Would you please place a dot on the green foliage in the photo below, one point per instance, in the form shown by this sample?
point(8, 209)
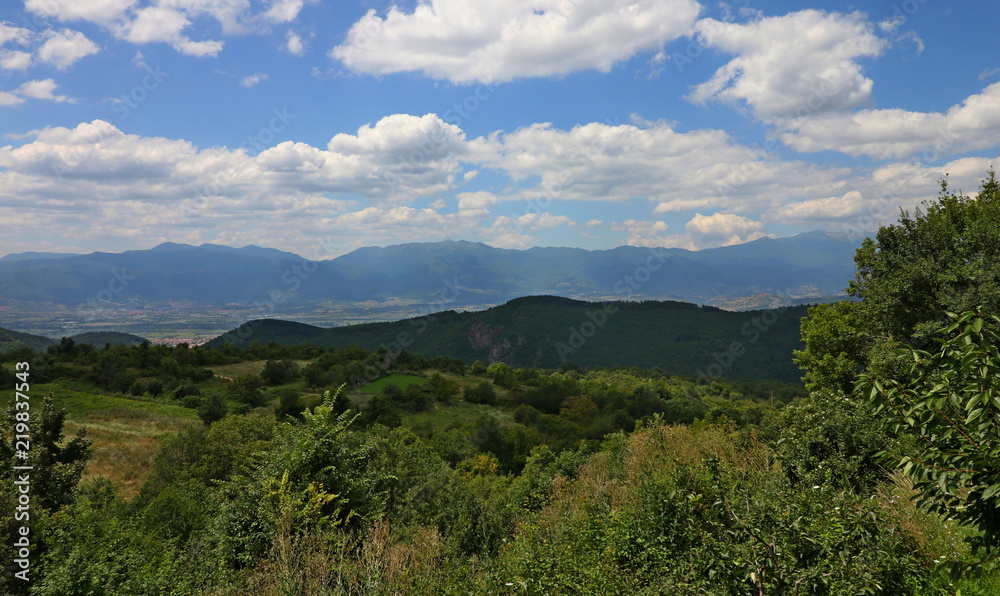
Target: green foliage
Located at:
point(950, 401)
point(213, 408)
point(57, 465)
point(279, 372)
point(246, 389)
point(937, 260)
point(481, 393)
point(678, 511)
point(831, 441)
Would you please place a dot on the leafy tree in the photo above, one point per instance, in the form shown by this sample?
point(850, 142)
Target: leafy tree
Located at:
point(246, 389)
point(56, 465)
point(949, 401)
point(289, 404)
point(277, 372)
point(939, 259)
point(213, 408)
point(481, 393)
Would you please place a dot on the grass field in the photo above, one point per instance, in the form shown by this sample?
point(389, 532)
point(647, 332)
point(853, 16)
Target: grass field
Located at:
point(401, 381)
point(125, 433)
point(459, 412)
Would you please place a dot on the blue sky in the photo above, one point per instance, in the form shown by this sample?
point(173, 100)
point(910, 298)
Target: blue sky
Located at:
point(319, 127)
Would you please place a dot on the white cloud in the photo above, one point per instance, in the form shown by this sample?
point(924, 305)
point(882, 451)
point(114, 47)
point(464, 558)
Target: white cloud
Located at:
point(973, 124)
point(876, 197)
point(791, 66)
point(989, 72)
point(41, 89)
point(251, 80)
point(102, 12)
point(467, 41)
point(643, 233)
point(723, 229)
point(15, 60)
point(294, 44)
point(8, 99)
point(198, 49)
point(154, 23)
point(10, 33)
point(63, 48)
point(35, 89)
point(284, 11)
point(104, 162)
point(476, 203)
point(165, 21)
point(676, 171)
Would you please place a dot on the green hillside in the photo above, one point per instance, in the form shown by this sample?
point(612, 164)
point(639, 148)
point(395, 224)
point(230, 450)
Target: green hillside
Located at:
point(11, 340)
point(99, 339)
point(548, 332)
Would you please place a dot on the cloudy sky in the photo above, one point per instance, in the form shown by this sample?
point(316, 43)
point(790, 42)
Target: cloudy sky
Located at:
point(319, 126)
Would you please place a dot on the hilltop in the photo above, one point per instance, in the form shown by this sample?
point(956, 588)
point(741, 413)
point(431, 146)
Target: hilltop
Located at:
point(548, 332)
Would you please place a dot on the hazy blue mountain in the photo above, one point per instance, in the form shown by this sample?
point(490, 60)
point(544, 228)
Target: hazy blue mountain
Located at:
point(547, 331)
point(32, 256)
point(786, 270)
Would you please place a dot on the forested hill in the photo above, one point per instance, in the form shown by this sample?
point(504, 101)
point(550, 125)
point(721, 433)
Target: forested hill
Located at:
point(11, 340)
point(547, 332)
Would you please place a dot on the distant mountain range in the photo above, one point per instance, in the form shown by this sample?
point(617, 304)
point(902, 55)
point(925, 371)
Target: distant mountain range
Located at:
point(765, 272)
point(547, 331)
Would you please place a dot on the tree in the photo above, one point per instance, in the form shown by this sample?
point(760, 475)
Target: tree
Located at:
point(940, 259)
point(212, 408)
point(246, 389)
point(56, 465)
point(949, 401)
point(277, 372)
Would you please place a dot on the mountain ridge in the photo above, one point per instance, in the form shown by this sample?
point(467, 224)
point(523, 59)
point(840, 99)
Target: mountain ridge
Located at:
point(461, 273)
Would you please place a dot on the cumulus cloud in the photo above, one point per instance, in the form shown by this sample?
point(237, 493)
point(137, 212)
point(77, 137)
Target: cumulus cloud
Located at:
point(723, 229)
point(15, 60)
point(876, 197)
point(676, 171)
point(12, 33)
point(399, 158)
point(102, 12)
point(165, 21)
point(791, 66)
point(643, 233)
point(294, 44)
point(64, 48)
point(41, 89)
point(888, 133)
point(35, 89)
point(500, 40)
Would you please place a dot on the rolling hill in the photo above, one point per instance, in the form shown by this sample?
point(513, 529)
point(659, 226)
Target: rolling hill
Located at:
point(547, 331)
